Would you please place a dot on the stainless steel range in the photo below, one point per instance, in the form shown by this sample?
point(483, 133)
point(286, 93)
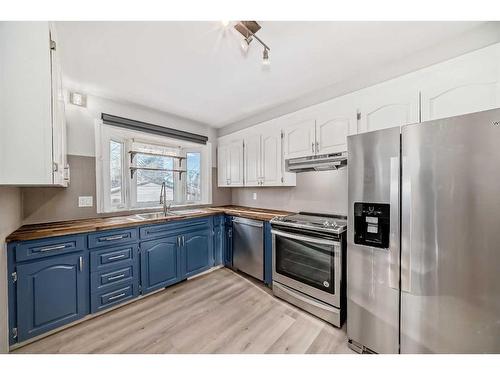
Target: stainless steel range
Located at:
point(309, 263)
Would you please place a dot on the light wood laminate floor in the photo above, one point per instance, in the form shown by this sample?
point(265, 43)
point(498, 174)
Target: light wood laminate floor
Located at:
point(219, 312)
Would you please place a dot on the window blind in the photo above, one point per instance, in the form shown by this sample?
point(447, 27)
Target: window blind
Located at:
point(152, 128)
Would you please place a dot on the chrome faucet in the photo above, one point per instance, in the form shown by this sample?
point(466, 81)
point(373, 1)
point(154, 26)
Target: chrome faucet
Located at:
point(163, 198)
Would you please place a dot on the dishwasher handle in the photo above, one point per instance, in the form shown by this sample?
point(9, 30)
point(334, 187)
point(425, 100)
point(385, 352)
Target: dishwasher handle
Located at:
point(252, 223)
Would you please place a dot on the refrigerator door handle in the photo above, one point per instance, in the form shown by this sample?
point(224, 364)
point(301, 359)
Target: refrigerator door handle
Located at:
point(394, 223)
point(406, 214)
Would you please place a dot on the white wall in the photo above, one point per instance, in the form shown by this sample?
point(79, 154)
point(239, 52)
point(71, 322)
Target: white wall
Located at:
point(80, 122)
point(323, 192)
point(10, 219)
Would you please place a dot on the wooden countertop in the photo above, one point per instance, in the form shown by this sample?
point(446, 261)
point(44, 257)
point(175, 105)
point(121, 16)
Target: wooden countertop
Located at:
point(61, 228)
point(249, 212)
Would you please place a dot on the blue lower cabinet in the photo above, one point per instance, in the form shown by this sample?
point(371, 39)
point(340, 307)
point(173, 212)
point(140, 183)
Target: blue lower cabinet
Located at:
point(228, 242)
point(160, 263)
point(268, 254)
point(197, 252)
point(219, 242)
point(51, 293)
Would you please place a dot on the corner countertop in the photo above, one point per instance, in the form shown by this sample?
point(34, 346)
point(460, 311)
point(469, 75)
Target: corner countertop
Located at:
point(62, 228)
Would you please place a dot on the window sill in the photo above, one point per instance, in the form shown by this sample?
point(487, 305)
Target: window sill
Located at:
point(151, 209)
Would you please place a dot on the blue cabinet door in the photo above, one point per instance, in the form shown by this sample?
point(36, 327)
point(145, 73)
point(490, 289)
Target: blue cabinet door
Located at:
point(51, 293)
point(228, 242)
point(160, 263)
point(218, 244)
point(197, 252)
point(219, 240)
point(268, 254)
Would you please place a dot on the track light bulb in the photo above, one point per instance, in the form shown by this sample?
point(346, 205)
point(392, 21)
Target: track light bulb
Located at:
point(265, 57)
point(245, 43)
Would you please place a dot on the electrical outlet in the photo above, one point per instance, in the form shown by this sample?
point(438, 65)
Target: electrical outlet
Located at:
point(85, 201)
point(254, 196)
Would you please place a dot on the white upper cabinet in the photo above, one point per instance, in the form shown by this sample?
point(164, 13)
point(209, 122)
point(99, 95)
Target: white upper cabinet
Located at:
point(299, 136)
point(272, 159)
point(253, 160)
point(230, 162)
point(32, 125)
point(223, 165)
point(392, 103)
point(264, 164)
point(466, 84)
point(236, 163)
point(334, 122)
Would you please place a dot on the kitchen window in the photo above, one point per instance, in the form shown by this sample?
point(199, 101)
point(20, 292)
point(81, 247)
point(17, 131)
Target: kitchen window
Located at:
point(132, 166)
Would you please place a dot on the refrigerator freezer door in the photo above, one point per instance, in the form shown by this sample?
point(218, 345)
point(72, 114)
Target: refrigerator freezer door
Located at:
point(450, 235)
point(373, 272)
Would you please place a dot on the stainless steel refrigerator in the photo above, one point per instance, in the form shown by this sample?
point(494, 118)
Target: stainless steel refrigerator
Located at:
point(423, 245)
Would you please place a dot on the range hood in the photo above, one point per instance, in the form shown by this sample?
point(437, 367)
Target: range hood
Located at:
point(325, 162)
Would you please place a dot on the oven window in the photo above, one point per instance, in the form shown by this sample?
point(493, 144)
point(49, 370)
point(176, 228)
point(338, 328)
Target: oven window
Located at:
point(307, 262)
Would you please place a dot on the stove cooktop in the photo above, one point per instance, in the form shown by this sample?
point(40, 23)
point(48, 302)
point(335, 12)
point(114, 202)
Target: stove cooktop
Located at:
point(322, 222)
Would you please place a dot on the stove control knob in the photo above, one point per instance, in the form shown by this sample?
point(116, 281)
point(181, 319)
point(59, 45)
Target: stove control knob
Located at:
point(326, 223)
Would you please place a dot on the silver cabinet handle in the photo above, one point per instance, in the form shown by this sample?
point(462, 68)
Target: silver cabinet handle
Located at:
point(113, 238)
point(81, 264)
point(183, 241)
point(116, 277)
point(252, 223)
point(317, 147)
point(312, 147)
point(304, 238)
point(179, 241)
point(117, 257)
point(52, 248)
point(117, 296)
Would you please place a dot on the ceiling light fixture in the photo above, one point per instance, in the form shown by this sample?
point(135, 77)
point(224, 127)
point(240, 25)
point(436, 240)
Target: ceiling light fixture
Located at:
point(249, 29)
point(224, 23)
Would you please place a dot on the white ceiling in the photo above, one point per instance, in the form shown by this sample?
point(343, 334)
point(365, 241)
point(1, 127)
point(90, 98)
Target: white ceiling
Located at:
point(197, 69)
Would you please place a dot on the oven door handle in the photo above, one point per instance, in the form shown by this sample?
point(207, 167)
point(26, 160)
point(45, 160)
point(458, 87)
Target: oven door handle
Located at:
point(304, 238)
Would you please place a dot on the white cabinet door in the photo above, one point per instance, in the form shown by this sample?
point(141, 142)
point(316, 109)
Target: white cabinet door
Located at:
point(25, 104)
point(61, 168)
point(466, 84)
point(299, 138)
point(235, 155)
point(388, 105)
point(335, 122)
point(272, 159)
point(253, 162)
point(223, 165)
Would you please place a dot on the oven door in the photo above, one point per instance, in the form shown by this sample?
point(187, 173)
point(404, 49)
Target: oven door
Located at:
point(311, 265)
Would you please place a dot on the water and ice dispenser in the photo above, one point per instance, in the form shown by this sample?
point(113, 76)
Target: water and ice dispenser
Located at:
point(371, 224)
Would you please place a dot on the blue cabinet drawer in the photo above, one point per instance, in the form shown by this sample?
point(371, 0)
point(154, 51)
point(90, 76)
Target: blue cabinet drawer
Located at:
point(112, 237)
point(104, 300)
point(46, 247)
point(168, 229)
point(113, 257)
point(110, 278)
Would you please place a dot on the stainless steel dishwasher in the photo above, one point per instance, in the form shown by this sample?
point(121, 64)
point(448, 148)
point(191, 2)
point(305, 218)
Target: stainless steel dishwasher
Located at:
point(248, 247)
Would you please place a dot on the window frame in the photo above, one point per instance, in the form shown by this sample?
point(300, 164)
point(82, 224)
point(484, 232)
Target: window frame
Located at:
point(104, 134)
